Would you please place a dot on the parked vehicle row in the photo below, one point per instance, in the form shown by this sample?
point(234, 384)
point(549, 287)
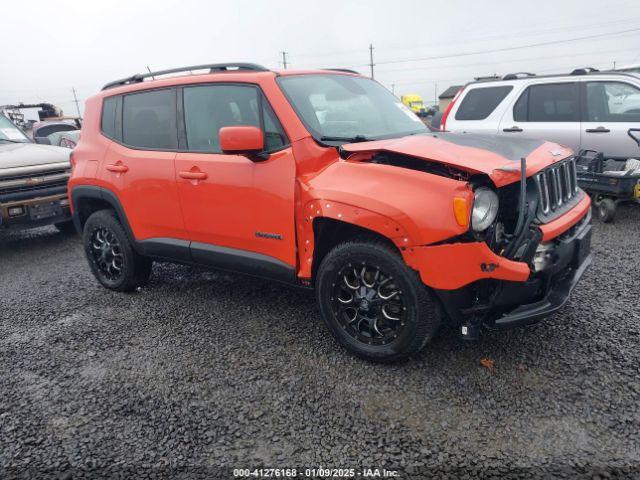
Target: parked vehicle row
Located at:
point(585, 110)
point(33, 181)
point(325, 180)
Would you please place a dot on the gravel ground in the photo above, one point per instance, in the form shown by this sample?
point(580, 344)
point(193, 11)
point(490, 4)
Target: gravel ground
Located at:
point(202, 372)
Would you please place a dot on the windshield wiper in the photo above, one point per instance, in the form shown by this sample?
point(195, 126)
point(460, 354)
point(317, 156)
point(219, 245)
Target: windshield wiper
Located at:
point(355, 139)
point(11, 141)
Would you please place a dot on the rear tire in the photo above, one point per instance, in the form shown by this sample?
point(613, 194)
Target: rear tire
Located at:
point(606, 210)
point(351, 284)
point(112, 259)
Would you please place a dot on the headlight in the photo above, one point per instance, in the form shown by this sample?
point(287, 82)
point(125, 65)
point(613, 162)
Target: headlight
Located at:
point(485, 209)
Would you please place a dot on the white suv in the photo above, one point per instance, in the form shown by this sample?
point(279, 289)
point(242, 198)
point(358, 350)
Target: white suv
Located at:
point(586, 109)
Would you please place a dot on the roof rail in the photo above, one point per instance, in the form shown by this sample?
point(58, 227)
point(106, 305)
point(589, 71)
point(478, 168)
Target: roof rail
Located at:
point(213, 67)
point(515, 76)
point(584, 71)
point(345, 70)
point(487, 78)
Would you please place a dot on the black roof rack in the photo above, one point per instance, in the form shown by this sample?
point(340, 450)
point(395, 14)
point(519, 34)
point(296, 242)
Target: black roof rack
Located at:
point(345, 70)
point(515, 76)
point(584, 71)
point(486, 78)
point(213, 67)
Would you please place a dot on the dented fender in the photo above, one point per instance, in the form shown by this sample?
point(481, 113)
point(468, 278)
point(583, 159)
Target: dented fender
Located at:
point(408, 207)
point(323, 208)
point(452, 266)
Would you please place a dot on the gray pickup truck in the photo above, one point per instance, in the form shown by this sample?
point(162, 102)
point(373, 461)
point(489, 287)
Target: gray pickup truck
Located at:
point(33, 181)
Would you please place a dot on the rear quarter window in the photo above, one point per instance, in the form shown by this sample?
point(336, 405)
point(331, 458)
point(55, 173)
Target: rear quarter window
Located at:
point(108, 120)
point(479, 103)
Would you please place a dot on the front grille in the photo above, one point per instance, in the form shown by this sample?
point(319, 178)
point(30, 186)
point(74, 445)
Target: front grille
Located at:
point(557, 189)
point(34, 181)
point(30, 185)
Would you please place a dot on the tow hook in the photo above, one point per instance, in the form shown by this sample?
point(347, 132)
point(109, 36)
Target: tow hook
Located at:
point(488, 267)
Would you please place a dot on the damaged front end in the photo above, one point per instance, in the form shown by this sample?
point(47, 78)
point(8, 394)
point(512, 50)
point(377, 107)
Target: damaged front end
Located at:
point(513, 264)
point(547, 203)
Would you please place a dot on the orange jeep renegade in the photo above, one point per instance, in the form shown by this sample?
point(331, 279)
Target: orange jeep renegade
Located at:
point(324, 179)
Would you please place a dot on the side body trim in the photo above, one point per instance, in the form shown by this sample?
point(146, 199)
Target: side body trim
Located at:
point(242, 261)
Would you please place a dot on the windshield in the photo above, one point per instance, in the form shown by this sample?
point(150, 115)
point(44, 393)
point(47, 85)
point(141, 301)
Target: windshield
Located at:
point(10, 133)
point(342, 108)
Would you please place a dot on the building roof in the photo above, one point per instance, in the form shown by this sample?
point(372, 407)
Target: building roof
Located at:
point(450, 92)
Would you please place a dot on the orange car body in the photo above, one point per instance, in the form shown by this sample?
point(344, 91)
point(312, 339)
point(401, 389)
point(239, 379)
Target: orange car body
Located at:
point(271, 208)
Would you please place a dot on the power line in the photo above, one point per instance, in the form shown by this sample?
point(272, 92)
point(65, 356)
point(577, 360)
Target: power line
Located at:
point(507, 49)
point(478, 52)
point(466, 79)
point(520, 34)
point(500, 62)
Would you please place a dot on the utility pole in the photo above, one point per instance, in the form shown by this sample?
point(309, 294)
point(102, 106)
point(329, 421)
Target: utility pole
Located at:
point(435, 94)
point(371, 64)
point(284, 60)
point(614, 64)
point(75, 100)
point(393, 88)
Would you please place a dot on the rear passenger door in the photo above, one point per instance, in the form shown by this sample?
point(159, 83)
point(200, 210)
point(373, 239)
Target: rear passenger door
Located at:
point(139, 165)
point(546, 111)
point(611, 108)
point(241, 212)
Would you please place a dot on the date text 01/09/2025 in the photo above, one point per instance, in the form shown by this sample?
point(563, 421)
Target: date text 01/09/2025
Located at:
point(315, 473)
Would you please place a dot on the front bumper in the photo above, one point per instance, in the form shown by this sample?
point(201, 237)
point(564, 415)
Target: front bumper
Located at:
point(36, 212)
point(573, 259)
point(501, 303)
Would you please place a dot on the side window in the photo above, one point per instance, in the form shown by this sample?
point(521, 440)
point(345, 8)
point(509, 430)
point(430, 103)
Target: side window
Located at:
point(480, 102)
point(554, 102)
point(149, 120)
point(520, 109)
point(208, 108)
point(612, 102)
point(108, 120)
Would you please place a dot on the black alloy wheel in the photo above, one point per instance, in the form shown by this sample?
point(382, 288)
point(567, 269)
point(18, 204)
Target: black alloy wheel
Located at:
point(107, 253)
point(368, 304)
point(372, 302)
point(112, 258)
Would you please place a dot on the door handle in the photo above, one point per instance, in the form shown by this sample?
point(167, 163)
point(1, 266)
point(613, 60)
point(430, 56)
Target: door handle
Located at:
point(117, 167)
point(598, 130)
point(189, 175)
point(512, 129)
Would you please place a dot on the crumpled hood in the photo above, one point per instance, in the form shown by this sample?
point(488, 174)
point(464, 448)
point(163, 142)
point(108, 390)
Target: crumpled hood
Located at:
point(15, 155)
point(494, 155)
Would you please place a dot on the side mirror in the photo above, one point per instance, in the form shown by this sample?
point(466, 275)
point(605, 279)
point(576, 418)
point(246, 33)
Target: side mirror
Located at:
point(43, 140)
point(242, 139)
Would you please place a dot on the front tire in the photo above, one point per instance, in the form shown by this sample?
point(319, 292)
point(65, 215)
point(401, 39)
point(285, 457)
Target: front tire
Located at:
point(373, 303)
point(112, 259)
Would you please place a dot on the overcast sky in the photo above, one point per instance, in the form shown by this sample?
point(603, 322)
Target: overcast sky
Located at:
point(51, 46)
